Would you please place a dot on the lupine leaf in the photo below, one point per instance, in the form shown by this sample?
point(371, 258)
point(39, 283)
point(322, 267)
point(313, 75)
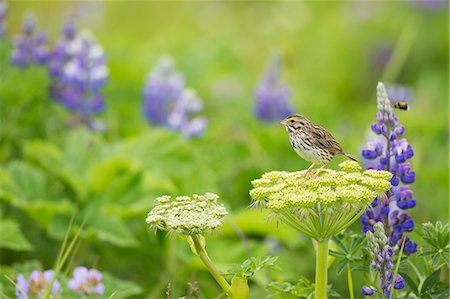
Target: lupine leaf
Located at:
point(446, 259)
point(435, 259)
point(357, 243)
point(339, 244)
point(337, 254)
point(410, 282)
point(341, 266)
point(431, 281)
point(427, 253)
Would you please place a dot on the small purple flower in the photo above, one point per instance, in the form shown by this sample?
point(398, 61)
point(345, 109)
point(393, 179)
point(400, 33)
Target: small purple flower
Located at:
point(272, 98)
point(391, 152)
point(87, 282)
point(36, 284)
point(3, 11)
point(399, 282)
point(168, 103)
point(30, 47)
point(368, 291)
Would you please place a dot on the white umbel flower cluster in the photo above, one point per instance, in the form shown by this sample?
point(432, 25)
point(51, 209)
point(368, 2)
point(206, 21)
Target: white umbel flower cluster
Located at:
point(187, 215)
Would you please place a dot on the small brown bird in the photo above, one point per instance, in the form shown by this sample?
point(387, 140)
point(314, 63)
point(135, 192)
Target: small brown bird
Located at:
point(311, 142)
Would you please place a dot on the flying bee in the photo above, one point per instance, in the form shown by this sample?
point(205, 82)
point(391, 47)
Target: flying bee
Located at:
point(402, 105)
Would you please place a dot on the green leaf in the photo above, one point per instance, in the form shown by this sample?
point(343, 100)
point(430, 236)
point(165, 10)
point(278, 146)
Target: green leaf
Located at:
point(102, 174)
point(50, 158)
point(435, 260)
point(252, 265)
point(120, 288)
point(410, 282)
point(43, 211)
point(339, 244)
point(357, 244)
point(337, 254)
point(427, 253)
point(11, 237)
point(27, 182)
point(341, 266)
point(431, 281)
point(446, 259)
point(58, 226)
point(111, 229)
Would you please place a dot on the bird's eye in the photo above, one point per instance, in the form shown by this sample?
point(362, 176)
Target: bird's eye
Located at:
point(291, 121)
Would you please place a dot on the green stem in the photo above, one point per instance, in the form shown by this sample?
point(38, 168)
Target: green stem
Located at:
point(350, 282)
point(419, 275)
point(209, 264)
point(321, 269)
point(397, 266)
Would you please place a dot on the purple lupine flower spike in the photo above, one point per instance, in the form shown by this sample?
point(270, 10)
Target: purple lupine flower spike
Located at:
point(389, 151)
point(381, 254)
point(168, 103)
point(29, 47)
point(3, 11)
point(271, 98)
point(34, 286)
point(87, 282)
point(78, 67)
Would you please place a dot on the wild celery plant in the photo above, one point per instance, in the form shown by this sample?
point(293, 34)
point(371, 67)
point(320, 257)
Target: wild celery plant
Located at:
point(321, 207)
point(193, 217)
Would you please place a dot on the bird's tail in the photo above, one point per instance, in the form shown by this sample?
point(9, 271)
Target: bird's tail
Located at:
point(350, 156)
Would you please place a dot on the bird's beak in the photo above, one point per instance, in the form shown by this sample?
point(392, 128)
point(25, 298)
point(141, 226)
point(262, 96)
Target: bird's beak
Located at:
point(283, 122)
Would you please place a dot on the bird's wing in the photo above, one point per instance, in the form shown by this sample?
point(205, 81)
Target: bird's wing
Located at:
point(326, 140)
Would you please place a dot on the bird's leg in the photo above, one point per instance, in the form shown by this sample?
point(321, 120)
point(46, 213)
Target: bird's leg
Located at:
point(318, 171)
point(309, 169)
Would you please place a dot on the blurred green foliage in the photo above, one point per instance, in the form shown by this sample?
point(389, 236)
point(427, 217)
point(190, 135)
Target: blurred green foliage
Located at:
point(334, 53)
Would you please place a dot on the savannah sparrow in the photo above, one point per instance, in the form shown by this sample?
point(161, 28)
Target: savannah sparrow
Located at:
point(311, 142)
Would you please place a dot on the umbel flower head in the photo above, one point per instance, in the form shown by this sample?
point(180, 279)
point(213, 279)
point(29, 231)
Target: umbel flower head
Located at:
point(187, 215)
point(323, 206)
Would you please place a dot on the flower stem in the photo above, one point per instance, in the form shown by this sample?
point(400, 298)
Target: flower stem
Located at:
point(209, 264)
point(419, 275)
point(397, 266)
point(321, 269)
point(350, 282)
